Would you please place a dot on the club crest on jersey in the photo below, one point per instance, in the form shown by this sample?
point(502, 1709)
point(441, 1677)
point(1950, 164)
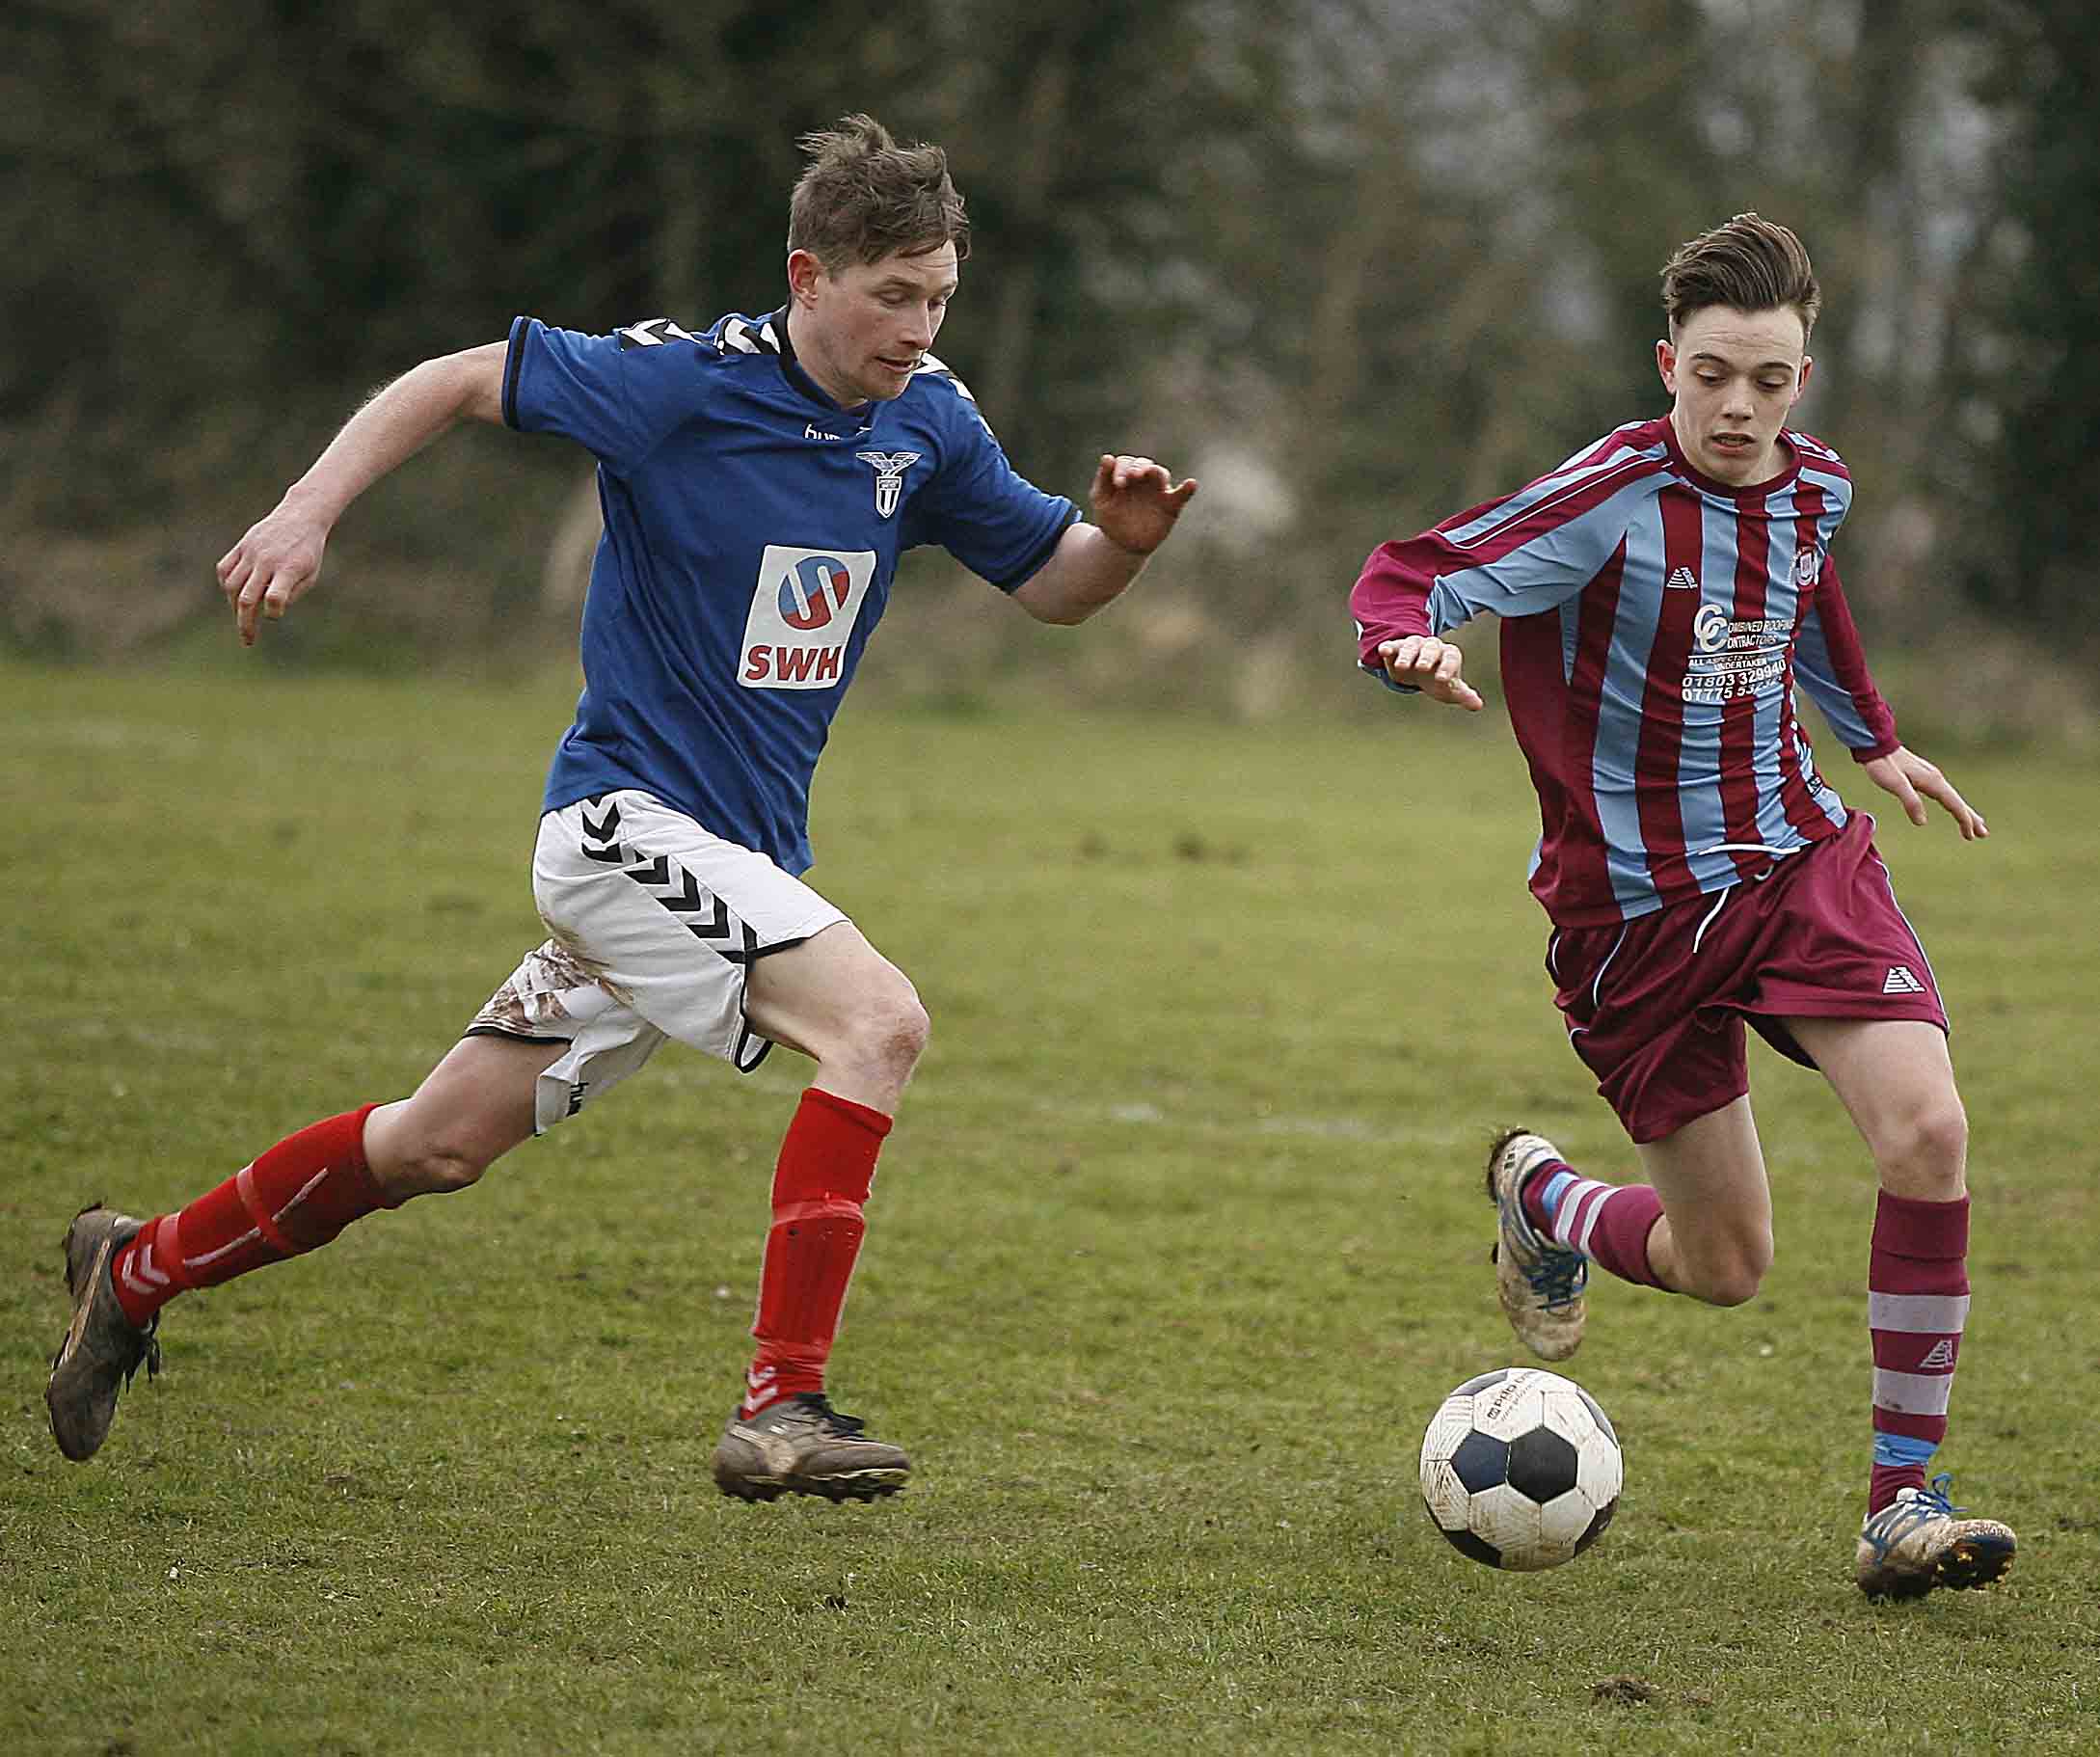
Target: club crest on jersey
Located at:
point(1807, 564)
point(889, 468)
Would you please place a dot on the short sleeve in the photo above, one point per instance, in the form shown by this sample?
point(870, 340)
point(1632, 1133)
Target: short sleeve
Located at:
point(979, 508)
point(616, 395)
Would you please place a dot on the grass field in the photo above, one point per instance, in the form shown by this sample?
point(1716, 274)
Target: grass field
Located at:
point(1177, 1243)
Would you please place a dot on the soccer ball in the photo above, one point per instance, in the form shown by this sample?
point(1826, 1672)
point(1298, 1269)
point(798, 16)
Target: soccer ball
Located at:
point(1520, 1468)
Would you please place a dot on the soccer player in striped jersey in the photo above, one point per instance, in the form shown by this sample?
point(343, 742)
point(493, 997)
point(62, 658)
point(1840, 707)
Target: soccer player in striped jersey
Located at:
point(1660, 594)
point(759, 481)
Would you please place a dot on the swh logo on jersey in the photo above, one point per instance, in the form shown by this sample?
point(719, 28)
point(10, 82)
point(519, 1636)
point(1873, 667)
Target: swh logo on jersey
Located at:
point(889, 468)
point(803, 608)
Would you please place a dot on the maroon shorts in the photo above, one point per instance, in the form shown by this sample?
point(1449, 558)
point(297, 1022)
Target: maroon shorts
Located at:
point(1656, 1006)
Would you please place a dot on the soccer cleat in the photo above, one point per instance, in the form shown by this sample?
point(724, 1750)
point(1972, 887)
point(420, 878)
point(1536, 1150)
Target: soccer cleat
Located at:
point(103, 1349)
point(1920, 1541)
point(801, 1445)
point(1540, 1283)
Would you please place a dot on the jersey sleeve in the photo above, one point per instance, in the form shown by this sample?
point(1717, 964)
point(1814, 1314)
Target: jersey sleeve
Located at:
point(616, 395)
point(1519, 555)
point(979, 507)
point(1832, 667)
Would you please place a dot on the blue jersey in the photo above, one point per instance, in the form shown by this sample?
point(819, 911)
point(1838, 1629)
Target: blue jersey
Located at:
point(752, 529)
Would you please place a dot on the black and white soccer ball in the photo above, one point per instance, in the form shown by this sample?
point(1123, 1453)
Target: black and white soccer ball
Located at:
point(1520, 1468)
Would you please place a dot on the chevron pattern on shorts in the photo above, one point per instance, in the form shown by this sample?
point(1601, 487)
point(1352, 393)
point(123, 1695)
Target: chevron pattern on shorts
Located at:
point(601, 838)
point(705, 915)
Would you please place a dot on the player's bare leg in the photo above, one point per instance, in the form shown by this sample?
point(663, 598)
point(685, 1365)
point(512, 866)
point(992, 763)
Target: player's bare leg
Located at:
point(1894, 1078)
point(1714, 1240)
point(1701, 1226)
point(470, 1110)
point(474, 1106)
point(841, 1003)
point(847, 1008)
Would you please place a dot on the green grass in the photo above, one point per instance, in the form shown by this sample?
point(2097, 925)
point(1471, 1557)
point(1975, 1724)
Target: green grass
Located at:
point(1176, 1246)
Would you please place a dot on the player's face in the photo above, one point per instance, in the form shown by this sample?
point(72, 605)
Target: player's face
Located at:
point(862, 330)
point(1734, 375)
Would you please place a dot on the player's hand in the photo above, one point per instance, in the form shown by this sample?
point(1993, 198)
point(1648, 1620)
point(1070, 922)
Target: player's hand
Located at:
point(270, 569)
point(1913, 780)
point(1422, 661)
point(1136, 501)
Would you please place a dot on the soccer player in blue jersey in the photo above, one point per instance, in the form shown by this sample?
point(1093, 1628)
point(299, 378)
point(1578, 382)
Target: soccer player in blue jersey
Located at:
point(1660, 594)
point(759, 481)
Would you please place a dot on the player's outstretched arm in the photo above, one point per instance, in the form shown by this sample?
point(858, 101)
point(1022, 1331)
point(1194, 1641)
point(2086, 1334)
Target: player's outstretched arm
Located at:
point(1422, 661)
point(1913, 780)
point(272, 566)
point(1135, 503)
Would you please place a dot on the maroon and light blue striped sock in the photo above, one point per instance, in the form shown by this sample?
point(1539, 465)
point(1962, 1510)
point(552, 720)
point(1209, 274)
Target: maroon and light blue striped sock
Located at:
point(1917, 1304)
point(1607, 1223)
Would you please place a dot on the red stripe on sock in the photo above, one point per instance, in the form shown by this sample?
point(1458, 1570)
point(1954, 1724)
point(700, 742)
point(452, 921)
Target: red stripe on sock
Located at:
point(244, 1186)
point(1915, 1351)
point(1937, 1231)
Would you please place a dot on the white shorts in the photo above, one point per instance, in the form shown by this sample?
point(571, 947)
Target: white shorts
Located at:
point(653, 925)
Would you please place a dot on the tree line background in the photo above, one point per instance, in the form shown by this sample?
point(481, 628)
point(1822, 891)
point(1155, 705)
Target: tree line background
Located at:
point(1356, 265)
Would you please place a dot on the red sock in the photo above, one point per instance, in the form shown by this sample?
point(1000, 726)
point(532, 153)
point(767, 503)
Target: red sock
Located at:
point(1917, 1304)
point(292, 1198)
point(827, 1167)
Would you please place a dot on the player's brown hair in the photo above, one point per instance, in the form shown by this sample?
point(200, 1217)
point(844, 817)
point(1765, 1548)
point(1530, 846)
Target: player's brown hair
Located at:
point(863, 195)
point(1750, 264)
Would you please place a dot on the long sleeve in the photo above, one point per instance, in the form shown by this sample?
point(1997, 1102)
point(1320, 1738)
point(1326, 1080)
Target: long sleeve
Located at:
point(1518, 555)
point(1831, 665)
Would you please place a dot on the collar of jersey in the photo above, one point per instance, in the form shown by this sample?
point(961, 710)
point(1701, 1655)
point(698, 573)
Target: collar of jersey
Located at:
point(1747, 492)
point(791, 368)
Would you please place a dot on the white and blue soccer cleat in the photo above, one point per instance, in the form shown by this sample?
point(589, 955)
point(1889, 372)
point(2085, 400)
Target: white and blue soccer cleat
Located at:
point(1920, 1541)
point(1539, 1283)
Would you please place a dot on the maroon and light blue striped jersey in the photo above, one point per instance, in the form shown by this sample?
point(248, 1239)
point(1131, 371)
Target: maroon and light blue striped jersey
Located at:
point(1654, 622)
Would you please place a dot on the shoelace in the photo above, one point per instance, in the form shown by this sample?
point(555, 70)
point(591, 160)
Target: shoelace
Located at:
point(1558, 1275)
point(148, 1356)
point(845, 1428)
point(1900, 1518)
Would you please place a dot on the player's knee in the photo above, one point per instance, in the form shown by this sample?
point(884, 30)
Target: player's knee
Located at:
point(1735, 1285)
point(888, 1032)
point(436, 1167)
point(1733, 1276)
point(1925, 1153)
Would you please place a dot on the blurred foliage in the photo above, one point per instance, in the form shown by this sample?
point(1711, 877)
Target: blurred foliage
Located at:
point(1355, 265)
point(2031, 377)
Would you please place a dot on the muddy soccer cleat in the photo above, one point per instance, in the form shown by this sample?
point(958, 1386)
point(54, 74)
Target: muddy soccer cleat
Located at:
point(1920, 1541)
point(103, 1349)
point(1540, 1283)
point(801, 1445)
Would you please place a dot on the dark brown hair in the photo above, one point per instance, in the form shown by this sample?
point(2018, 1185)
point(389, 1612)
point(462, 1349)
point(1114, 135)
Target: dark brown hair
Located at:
point(863, 196)
point(1750, 264)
